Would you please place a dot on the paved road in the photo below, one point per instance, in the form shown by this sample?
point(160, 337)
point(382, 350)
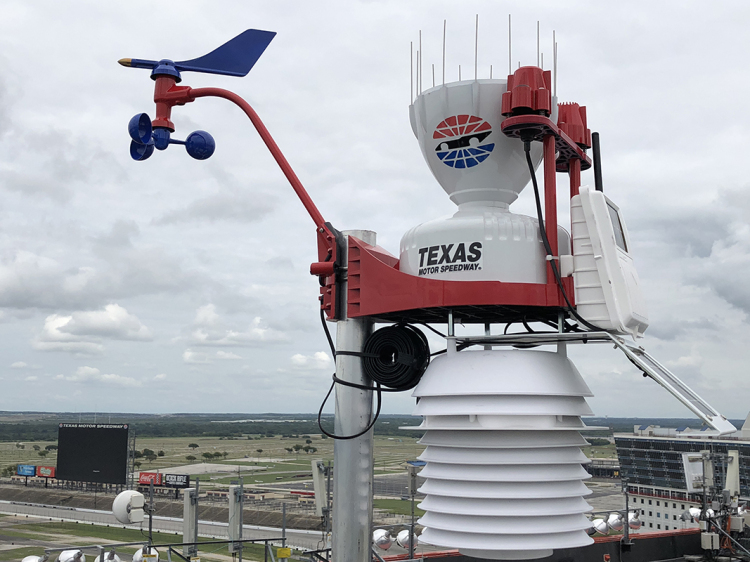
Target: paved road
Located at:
point(295, 537)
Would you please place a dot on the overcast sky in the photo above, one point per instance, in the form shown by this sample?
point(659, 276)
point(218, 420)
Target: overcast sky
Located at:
point(174, 285)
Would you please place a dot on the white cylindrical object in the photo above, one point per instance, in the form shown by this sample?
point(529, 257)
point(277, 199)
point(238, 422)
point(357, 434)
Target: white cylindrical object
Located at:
point(138, 555)
point(404, 539)
point(503, 461)
point(634, 520)
point(479, 243)
point(601, 526)
point(616, 522)
point(382, 539)
point(71, 556)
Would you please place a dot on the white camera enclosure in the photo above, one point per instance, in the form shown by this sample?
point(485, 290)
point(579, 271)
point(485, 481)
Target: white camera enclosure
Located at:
point(607, 288)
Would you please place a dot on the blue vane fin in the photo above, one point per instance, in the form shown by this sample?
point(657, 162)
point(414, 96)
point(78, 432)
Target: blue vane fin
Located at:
point(234, 58)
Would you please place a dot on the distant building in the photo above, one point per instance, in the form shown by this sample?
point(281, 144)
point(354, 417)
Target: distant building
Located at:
point(664, 476)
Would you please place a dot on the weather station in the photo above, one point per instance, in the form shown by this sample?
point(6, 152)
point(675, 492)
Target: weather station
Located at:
point(501, 411)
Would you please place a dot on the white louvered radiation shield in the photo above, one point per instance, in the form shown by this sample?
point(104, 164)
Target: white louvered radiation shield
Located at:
point(504, 474)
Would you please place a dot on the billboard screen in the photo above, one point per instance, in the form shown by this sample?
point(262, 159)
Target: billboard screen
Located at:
point(26, 470)
point(45, 471)
point(148, 477)
point(91, 452)
point(177, 480)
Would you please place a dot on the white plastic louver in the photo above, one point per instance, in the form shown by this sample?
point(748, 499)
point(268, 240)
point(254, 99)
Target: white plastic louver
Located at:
point(504, 474)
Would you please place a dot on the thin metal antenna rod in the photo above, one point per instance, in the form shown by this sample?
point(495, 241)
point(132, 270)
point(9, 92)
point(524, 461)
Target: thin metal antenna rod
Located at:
point(490, 72)
point(555, 69)
point(542, 64)
point(476, 46)
point(444, 26)
point(537, 43)
point(411, 72)
point(433, 75)
point(419, 86)
point(510, 46)
point(420, 61)
point(554, 64)
point(459, 72)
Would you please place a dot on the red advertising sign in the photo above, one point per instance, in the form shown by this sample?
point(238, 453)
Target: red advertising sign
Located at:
point(45, 471)
point(149, 477)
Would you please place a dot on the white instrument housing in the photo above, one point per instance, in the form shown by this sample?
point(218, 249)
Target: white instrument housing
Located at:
point(607, 288)
point(128, 507)
point(503, 474)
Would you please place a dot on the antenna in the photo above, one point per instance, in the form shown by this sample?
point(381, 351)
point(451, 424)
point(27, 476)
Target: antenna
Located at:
point(444, 26)
point(459, 72)
point(433, 75)
point(419, 86)
point(510, 45)
point(490, 72)
point(537, 42)
point(554, 64)
point(476, 46)
point(411, 71)
point(542, 64)
point(420, 61)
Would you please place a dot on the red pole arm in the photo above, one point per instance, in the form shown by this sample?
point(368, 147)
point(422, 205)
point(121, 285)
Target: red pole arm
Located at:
point(550, 200)
point(270, 143)
point(575, 176)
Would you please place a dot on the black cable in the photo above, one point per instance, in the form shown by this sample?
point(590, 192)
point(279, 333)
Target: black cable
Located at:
point(325, 329)
point(361, 433)
point(545, 241)
point(426, 325)
point(396, 356)
point(335, 380)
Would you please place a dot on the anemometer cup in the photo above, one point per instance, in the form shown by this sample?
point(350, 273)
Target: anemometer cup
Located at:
point(200, 145)
point(140, 151)
point(140, 129)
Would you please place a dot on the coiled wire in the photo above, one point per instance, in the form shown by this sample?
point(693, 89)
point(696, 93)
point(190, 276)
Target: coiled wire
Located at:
point(396, 356)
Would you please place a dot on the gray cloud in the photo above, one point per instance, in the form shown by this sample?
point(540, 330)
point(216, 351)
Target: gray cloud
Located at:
point(209, 329)
point(220, 207)
point(83, 332)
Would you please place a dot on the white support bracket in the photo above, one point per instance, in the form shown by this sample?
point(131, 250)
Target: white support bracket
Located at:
point(658, 372)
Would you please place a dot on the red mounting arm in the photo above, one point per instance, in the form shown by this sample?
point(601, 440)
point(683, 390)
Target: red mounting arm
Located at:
point(330, 242)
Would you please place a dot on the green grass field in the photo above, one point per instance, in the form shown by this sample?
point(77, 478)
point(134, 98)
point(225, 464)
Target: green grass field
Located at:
point(398, 507)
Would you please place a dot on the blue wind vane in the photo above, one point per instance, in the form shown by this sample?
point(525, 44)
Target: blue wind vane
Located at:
point(236, 57)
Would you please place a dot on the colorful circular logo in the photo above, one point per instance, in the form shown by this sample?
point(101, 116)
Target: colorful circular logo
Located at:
point(462, 141)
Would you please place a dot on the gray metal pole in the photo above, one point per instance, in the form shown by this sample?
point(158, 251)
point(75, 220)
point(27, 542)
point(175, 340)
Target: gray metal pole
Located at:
point(197, 495)
point(283, 526)
point(150, 515)
point(353, 458)
point(242, 509)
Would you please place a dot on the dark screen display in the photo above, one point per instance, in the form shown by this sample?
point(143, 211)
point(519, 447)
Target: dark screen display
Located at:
point(617, 226)
point(92, 452)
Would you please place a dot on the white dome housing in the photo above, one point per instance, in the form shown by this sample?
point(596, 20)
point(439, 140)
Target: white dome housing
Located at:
point(503, 476)
point(382, 539)
point(483, 171)
point(71, 556)
point(138, 555)
point(458, 129)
